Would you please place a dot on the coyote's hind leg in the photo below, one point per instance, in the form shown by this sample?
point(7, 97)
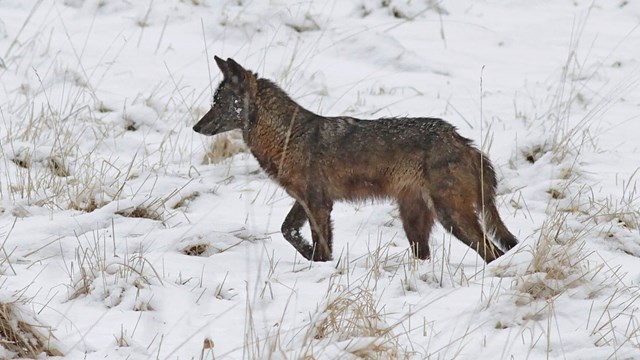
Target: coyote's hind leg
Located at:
point(417, 220)
point(459, 217)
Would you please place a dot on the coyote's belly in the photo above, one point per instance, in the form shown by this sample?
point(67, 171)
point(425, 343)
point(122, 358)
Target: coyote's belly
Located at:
point(362, 181)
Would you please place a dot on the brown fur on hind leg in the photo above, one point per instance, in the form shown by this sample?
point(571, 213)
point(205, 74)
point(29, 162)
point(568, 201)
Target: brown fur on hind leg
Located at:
point(417, 220)
point(460, 219)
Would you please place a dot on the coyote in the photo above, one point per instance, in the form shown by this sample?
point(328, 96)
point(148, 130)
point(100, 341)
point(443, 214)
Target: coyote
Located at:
point(423, 163)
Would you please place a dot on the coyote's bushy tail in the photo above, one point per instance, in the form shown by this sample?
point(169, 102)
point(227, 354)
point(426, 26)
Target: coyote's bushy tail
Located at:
point(493, 224)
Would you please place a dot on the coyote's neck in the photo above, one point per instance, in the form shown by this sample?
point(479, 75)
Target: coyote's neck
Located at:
point(274, 135)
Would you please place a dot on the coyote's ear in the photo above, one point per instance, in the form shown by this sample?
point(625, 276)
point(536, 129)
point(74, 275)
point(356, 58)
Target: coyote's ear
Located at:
point(238, 74)
point(224, 67)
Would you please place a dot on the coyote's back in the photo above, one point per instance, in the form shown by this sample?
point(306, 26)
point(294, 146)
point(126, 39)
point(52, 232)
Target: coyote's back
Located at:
point(422, 163)
point(385, 157)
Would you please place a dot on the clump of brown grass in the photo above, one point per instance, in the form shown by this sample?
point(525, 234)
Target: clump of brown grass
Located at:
point(352, 320)
point(24, 163)
point(151, 210)
point(197, 249)
point(558, 264)
point(110, 278)
point(184, 201)
point(88, 205)
point(54, 164)
point(534, 153)
point(223, 147)
point(57, 167)
point(22, 335)
point(141, 212)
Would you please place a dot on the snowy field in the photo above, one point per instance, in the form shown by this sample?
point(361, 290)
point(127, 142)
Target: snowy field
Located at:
point(126, 235)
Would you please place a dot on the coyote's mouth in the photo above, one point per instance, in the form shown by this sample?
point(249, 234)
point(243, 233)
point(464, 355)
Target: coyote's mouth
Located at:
point(201, 128)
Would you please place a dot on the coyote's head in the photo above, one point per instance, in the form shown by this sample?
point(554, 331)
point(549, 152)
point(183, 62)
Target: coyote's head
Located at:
point(232, 100)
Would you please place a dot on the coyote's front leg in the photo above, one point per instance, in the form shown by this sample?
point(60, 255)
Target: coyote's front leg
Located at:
point(291, 226)
point(319, 215)
point(320, 231)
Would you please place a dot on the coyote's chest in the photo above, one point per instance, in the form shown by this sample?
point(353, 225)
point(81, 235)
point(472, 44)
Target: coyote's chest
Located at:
point(280, 157)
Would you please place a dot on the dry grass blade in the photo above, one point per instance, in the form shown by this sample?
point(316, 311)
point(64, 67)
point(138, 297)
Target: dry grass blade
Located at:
point(352, 321)
point(558, 261)
point(223, 147)
point(24, 339)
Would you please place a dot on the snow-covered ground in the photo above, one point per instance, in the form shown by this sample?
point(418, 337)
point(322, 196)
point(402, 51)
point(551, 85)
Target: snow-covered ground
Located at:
point(125, 235)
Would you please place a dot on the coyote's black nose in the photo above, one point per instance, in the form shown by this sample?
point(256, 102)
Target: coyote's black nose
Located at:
point(197, 127)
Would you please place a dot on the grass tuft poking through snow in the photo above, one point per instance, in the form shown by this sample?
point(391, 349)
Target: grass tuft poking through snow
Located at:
point(352, 322)
point(223, 147)
point(21, 334)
